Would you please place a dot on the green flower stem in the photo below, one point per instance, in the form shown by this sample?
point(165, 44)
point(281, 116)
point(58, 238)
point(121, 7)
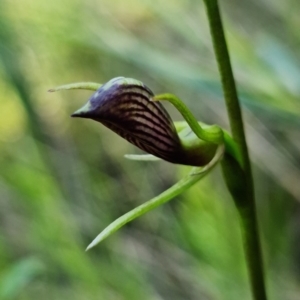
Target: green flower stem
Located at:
point(213, 134)
point(243, 193)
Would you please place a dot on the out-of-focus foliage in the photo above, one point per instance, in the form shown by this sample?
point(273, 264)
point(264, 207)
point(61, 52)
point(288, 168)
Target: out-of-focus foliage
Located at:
point(63, 180)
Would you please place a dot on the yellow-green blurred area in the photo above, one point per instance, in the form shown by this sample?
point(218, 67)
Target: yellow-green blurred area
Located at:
point(63, 180)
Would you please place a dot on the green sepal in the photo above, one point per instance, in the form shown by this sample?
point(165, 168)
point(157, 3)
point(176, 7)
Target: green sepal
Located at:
point(213, 133)
point(91, 86)
point(142, 157)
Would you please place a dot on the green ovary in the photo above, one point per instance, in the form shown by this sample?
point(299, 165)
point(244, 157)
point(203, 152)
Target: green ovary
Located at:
point(197, 152)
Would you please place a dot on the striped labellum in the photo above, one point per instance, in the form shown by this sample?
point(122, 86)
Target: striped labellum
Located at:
point(124, 105)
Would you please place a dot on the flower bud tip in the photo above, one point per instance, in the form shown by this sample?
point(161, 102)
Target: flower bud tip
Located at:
point(82, 112)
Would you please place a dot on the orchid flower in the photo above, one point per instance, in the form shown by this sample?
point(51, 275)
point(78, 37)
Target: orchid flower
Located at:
point(130, 109)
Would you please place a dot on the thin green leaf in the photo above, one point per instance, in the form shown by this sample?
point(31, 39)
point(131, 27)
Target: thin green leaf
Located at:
point(186, 182)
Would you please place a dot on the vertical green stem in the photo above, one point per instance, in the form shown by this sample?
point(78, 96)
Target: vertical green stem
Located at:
point(243, 195)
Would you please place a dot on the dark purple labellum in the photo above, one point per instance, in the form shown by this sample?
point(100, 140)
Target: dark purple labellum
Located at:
point(124, 106)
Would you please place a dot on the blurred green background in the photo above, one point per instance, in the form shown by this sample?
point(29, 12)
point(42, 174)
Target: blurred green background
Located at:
point(63, 180)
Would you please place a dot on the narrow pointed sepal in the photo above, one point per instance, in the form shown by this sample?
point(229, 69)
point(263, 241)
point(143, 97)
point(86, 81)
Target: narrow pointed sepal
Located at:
point(92, 86)
point(142, 157)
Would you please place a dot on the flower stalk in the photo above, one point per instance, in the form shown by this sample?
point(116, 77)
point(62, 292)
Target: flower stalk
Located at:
point(240, 183)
